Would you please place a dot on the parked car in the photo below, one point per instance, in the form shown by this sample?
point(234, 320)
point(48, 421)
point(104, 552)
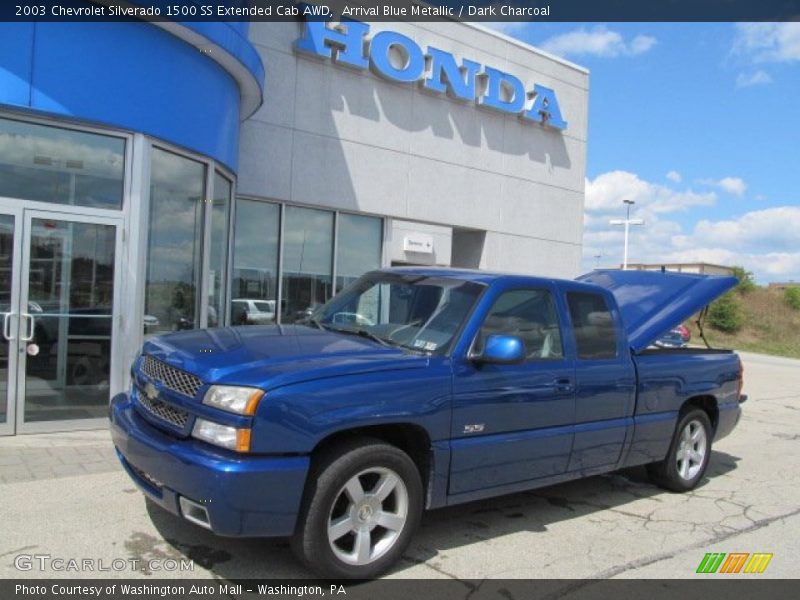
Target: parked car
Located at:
point(468, 385)
point(252, 311)
point(671, 339)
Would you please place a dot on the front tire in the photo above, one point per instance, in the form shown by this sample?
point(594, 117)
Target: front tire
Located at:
point(688, 456)
point(362, 505)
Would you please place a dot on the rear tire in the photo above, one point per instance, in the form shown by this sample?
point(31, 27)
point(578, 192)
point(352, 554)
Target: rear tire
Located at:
point(361, 507)
point(688, 456)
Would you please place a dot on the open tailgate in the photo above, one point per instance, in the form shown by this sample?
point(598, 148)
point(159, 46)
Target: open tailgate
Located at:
point(653, 302)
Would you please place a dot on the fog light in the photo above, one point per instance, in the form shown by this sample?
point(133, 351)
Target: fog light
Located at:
point(225, 436)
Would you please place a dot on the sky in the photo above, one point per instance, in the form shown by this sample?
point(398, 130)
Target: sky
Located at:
point(699, 124)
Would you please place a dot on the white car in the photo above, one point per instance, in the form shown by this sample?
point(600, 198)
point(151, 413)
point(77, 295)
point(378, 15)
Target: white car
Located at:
point(252, 311)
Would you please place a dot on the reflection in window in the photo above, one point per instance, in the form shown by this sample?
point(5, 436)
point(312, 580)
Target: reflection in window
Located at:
point(307, 254)
point(255, 263)
point(529, 315)
point(70, 299)
point(592, 325)
point(6, 264)
point(60, 166)
point(358, 247)
point(218, 251)
point(177, 187)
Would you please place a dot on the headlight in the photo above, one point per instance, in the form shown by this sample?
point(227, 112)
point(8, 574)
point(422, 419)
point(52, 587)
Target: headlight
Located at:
point(239, 400)
point(222, 435)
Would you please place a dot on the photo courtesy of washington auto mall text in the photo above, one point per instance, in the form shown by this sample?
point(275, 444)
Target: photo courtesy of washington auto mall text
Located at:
point(399, 300)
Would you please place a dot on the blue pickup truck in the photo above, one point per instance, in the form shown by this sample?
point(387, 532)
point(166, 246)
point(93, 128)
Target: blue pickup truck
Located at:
point(420, 388)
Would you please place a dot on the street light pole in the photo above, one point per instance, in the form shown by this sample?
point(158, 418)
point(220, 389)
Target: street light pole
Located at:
point(627, 222)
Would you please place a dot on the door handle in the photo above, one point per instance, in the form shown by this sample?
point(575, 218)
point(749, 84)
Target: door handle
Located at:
point(563, 384)
point(7, 327)
point(29, 337)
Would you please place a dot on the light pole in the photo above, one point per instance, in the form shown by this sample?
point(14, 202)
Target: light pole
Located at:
point(627, 222)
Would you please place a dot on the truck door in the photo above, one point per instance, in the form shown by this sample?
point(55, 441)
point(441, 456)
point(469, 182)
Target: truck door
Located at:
point(513, 422)
point(604, 377)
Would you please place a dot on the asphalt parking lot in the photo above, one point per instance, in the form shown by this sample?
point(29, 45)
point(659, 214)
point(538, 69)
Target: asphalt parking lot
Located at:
point(63, 495)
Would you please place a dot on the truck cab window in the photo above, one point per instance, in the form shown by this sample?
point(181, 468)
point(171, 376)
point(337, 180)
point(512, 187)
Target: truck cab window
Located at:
point(592, 326)
point(531, 316)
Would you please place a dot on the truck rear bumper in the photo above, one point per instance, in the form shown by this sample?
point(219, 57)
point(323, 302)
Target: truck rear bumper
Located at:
point(230, 494)
point(729, 415)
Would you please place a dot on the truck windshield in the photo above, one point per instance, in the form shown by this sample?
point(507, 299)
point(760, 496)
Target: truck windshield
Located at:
point(420, 313)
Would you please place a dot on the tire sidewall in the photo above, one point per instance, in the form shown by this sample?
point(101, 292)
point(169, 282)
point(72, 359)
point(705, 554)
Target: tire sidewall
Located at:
point(312, 539)
point(672, 464)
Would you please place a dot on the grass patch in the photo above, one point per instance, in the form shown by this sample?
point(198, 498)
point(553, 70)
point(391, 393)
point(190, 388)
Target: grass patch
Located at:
point(769, 326)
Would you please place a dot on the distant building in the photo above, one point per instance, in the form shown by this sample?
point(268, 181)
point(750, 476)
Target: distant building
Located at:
point(782, 285)
point(699, 267)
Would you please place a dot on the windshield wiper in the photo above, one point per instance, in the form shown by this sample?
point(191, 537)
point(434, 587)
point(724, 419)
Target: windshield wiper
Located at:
point(363, 333)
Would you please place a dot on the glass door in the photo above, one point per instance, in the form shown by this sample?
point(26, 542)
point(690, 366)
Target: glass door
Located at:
point(9, 314)
point(65, 333)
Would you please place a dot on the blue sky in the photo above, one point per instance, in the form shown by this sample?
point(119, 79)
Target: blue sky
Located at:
point(700, 125)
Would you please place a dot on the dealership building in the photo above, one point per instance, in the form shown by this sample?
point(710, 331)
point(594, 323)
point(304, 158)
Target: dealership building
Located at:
point(163, 176)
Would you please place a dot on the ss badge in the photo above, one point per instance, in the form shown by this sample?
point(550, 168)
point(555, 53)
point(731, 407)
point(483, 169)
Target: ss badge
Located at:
point(476, 428)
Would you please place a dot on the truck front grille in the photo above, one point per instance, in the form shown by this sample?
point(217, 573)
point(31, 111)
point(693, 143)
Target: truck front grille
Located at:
point(178, 381)
point(164, 411)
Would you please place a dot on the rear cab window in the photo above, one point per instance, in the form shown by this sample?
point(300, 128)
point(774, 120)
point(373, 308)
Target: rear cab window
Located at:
point(592, 325)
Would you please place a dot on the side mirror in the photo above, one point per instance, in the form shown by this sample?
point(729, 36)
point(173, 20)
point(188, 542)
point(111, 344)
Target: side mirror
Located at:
point(501, 349)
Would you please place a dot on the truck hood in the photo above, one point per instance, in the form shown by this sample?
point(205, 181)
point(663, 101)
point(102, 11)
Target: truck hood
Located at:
point(653, 302)
point(270, 356)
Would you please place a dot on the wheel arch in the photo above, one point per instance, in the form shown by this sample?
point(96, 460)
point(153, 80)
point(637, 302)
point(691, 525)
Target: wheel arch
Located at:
point(411, 438)
point(706, 403)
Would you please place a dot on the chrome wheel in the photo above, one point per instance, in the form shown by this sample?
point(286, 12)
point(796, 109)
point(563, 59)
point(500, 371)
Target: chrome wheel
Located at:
point(367, 516)
point(692, 448)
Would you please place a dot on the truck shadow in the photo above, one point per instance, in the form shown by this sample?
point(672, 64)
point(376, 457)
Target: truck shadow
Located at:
point(442, 529)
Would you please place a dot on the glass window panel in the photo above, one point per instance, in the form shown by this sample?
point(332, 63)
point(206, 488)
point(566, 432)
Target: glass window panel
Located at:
point(592, 326)
point(307, 254)
point(70, 299)
point(62, 166)
point(358, 247)
point(530, 315)
point(177, 187)
point(218, 251)
point(6, 265)
point(254, 287)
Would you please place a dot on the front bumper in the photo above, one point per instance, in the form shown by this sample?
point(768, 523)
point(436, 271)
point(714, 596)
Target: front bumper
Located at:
point(243, 495)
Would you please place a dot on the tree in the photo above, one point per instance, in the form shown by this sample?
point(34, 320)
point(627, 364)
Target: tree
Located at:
point(726, 314)
point(745, 277)
point(792, 296)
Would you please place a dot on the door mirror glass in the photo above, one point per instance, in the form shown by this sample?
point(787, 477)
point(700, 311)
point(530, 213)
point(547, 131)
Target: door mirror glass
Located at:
point(501, 349)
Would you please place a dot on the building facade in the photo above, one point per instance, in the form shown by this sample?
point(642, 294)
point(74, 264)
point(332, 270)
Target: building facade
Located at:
point(184, 176)
point(697, 268)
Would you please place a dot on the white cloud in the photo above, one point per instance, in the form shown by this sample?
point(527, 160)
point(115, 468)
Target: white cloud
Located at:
point(758, 78)
point(768, 42)
point(766, 242)
point(607, 191)
point(674, 177)
point(599, 41)
point(732, 185)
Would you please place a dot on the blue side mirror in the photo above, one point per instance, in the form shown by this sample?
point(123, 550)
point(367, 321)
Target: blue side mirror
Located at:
point(501, 349)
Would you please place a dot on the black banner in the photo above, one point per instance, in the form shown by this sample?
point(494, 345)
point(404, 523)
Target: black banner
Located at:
point(708, 588)
point(402, 10)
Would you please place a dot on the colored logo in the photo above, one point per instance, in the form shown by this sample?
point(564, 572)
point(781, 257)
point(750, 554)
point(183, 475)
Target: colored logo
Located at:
point(734, 562)
point(398, 58)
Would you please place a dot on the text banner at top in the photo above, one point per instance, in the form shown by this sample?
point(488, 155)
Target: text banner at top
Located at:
point(402, 10)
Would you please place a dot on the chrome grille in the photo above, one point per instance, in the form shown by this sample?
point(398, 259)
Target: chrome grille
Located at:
point(172, 378)
point(164, 411)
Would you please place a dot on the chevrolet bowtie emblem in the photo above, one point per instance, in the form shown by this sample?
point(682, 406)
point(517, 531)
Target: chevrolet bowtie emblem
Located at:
point(150, 391)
